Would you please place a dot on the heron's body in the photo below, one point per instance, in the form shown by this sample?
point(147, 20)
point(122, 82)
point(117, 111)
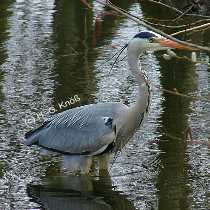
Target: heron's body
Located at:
point(97, 129)
point(112, 124)
point(79, 121)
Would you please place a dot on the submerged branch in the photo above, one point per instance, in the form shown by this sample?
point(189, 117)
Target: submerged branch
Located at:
point(177, 93)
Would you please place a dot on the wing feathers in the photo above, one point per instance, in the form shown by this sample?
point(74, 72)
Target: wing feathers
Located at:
point(81, 130)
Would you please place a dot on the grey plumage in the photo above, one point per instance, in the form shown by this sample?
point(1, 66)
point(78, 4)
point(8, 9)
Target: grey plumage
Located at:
point(82, 130)
point(97, 129)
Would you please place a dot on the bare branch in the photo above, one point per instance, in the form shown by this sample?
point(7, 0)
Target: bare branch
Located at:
point(184, 13)
point(141, 22)
point(165, 5)
point(175, 9)
point(192, 29)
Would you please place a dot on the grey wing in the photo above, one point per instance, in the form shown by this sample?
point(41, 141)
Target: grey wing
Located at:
point(82, 130)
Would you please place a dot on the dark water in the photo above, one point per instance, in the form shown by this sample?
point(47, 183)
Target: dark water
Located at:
point(51, 51)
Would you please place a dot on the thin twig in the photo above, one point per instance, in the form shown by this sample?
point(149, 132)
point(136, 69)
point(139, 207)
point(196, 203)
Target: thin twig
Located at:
point(165, 5)
point(192, 29)
point(192, 23)
point(175, 9)
point(165, 26)
point(184, 13)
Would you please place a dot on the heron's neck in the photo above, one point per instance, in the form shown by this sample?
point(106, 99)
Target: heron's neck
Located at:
point(142, 103)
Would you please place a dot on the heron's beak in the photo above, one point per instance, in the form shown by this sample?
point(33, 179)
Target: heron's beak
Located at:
point(173, 45)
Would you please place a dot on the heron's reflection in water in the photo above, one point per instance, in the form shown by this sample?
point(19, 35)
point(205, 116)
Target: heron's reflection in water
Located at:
point(78, 193)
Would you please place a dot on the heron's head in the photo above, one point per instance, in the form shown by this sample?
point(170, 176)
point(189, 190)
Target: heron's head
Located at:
point(150, 41)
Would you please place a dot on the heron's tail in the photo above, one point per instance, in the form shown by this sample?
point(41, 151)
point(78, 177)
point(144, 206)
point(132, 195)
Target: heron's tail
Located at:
point(32, 136)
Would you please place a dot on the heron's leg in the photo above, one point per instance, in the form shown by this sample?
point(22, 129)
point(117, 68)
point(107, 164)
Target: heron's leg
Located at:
point(77, 164)
point(93, 165)
point(85, 169)
point(104, 164)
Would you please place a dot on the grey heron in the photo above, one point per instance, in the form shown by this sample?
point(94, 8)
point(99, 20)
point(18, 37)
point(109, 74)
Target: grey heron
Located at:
point(103, 128)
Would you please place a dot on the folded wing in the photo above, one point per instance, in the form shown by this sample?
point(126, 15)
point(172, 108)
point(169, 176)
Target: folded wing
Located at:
point(82, 130)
